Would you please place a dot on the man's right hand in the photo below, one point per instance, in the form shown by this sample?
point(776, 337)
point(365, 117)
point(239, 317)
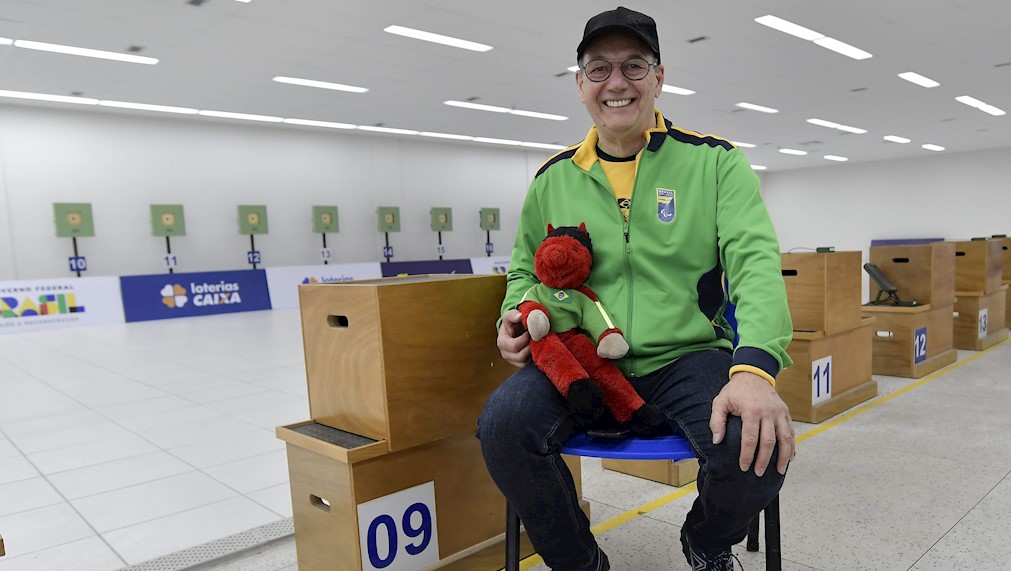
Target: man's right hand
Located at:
point(513, 340)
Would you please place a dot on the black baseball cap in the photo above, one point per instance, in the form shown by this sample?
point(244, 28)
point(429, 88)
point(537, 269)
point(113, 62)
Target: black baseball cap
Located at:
point(621, 19)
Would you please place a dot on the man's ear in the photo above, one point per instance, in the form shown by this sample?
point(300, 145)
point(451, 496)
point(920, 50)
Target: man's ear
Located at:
point(579, 85)
point(659, 81)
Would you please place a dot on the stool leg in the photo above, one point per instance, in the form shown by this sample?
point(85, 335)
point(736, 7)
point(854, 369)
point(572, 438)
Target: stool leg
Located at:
point(773, 556)
point(753, 533)
point(512, 541)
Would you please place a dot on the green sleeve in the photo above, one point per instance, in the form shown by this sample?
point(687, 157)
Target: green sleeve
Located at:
point(530, 233)
point(750, 255)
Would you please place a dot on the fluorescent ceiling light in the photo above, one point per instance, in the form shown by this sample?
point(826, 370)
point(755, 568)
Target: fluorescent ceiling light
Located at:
point(245, 116)
point(446, 136)
point(984, 107)
point(843, 48)
point(758, 167)
point(918, 79)
point(497, 109)
point(931, 147)
point(677, 90)
point(497, 141)
point(320, 84)
point(313, 123)
point(849, 129)
point(542, 146)
point(537, 115)
point(148, 107)
point(836, 158)
point(573, 69)
point(86, 52)
point(244, 1)
point(47, 97)
point(743, 145)
point(389, 130)
point(754, 107)
point(436, 38)
point(792, 152)
point(896, 139)
point(789, 27)
point(478, 106)
point(8, 41)
point(823, 123)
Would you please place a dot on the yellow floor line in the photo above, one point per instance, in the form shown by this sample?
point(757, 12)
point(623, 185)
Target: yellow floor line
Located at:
point(683, 491)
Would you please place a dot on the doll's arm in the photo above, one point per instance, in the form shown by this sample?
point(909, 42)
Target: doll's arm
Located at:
point(611, 342)
point(535, 319)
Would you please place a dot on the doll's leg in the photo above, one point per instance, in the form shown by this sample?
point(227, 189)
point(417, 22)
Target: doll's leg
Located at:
point(620, 396)
point(586, 400)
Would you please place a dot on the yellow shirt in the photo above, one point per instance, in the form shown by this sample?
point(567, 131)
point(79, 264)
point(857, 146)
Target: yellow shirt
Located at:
point(620, 173)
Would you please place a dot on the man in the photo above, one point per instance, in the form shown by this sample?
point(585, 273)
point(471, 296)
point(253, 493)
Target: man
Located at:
point(669, 212)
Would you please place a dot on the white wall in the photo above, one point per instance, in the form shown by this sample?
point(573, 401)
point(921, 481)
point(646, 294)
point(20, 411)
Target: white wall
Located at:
point(122, 163)
point(953, 196)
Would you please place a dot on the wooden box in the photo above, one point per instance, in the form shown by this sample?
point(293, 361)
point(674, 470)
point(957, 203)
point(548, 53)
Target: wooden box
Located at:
point(402, 360)
point(1007, 306)
point(924, 273)
point(911, 341)
point(1005, 258)
point(979, 265)
point(671, 472)
point(830, 373)
point(350, 496)
point(823, 290)
point(979, 319)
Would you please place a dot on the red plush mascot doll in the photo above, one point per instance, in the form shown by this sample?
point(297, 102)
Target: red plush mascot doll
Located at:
point(574, 339)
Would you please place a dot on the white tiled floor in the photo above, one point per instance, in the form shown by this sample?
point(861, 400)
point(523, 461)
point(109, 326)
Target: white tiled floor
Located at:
point(121, 444)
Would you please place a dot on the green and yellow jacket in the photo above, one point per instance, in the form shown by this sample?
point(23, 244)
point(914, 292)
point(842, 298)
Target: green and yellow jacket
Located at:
point(696, 214)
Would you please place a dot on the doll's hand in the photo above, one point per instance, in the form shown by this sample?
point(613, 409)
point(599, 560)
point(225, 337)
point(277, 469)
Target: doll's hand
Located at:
point(612, 346)
point(538, 324)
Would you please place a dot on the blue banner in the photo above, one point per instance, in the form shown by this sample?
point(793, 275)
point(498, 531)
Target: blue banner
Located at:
point(167, 296)
point(391, 269)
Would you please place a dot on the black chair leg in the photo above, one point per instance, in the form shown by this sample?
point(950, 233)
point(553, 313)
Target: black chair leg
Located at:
point(512, 539)
point(773, 555)
point(753, 533)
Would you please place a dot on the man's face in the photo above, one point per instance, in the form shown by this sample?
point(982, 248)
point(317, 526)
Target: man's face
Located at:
point(620, 107)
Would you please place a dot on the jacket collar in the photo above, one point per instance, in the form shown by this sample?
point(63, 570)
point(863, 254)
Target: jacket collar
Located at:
point(586, 155)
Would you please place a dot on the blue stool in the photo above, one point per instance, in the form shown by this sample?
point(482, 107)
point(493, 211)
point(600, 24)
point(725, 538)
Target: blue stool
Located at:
point(668, 447)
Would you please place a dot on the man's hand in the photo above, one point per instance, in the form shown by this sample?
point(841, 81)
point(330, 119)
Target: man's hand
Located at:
point(513, 340)
point(765, 417)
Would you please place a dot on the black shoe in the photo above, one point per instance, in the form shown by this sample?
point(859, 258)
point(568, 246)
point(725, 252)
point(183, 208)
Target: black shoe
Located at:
point(702, 561)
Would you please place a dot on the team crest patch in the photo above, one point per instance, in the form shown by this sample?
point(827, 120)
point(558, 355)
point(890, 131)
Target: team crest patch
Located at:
point(561, 296)
point(665, 205)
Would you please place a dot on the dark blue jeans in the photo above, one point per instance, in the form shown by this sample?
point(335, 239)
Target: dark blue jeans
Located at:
point(524, 424)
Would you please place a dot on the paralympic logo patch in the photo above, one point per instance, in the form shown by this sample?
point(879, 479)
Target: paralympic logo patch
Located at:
point(665, 205)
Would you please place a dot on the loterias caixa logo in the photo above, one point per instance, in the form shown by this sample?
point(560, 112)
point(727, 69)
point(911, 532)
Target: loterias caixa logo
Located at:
point(50, 302)
point(200, 294)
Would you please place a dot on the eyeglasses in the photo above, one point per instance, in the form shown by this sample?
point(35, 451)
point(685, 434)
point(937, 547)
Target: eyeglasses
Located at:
point(633, 68)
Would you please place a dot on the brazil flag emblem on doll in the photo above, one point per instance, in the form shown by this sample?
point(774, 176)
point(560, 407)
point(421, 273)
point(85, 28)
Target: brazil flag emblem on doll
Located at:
point(665, 205)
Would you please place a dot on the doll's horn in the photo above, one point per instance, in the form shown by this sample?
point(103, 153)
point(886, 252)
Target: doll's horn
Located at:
point(582, 226)
point(550, 228)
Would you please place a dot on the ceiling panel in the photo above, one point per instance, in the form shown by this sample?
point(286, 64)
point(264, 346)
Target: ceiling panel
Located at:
point(222, 55)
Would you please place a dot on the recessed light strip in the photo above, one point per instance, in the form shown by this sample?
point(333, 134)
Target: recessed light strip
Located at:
point(436, 38)
point(86, 52)
point(984, 107)
point(497, 109)
point(753, 107)
point(918, 79)
point(677, 90)
point(266, 118)
point(792, 152)
point(896, 139)
point(932, 147)
point(836, 158)
point(6, 41)
point(818, 38)
point(319, 84)
point(834, 125)
point(743, 145)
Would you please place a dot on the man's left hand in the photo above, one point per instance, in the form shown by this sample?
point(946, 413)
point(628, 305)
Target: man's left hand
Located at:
point(765, 417)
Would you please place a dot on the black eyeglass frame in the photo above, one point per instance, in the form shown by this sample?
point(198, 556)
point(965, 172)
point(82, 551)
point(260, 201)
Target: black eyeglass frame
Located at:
point(621, 66)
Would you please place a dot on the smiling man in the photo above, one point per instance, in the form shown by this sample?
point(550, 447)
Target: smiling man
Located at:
point(670, 212)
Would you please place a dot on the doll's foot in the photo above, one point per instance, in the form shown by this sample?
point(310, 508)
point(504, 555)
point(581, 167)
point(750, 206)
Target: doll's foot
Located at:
point(648, 420)
point(586, 400)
